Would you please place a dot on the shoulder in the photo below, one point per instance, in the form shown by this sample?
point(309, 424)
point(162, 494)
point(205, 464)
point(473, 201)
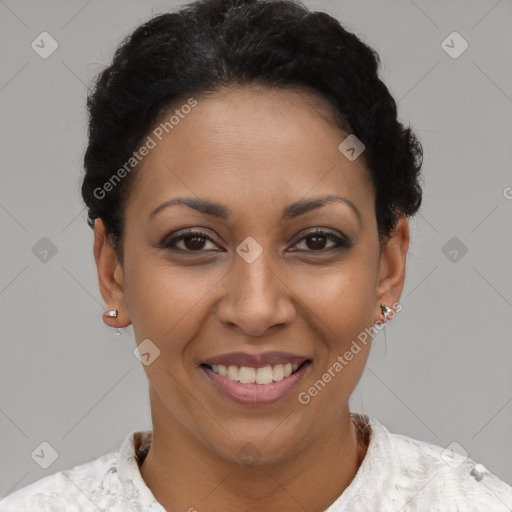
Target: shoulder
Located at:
point(82, 488)
point(437, 475)
point(403, 473)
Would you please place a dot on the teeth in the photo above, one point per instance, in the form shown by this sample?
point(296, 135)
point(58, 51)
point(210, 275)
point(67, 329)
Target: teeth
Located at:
point(264, 375)
point(249, 375)
point(233, 372)
point(278, 372)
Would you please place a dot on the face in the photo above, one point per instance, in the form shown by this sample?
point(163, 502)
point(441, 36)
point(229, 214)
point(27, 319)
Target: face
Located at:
point(251, 275)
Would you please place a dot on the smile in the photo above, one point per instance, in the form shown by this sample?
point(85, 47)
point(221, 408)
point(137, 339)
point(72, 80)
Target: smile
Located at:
point(248, 375)
point(256, 385)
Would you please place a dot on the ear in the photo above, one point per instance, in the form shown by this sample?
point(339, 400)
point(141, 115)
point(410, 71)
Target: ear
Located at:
point(392, 267)
point(110, 277)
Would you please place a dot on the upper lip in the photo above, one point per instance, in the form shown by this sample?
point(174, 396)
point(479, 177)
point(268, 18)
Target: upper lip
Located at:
point(255, 360)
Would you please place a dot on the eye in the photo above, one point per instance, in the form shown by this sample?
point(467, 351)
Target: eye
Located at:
point(193, 241)
point(318, 239)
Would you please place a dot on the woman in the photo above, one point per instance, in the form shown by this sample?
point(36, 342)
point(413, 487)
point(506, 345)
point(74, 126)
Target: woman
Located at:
point(249, 187)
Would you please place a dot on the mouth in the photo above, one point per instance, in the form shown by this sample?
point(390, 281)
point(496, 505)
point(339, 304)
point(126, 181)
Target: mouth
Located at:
point(263, 375)
point(256, 385)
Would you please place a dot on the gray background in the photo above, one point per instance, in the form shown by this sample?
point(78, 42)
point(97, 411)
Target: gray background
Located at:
point(441, 370)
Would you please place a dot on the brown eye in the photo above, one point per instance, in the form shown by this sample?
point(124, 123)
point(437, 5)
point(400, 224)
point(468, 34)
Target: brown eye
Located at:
point(317, 240)
point(193, 241)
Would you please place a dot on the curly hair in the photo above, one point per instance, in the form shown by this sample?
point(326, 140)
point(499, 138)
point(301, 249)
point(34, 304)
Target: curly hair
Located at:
point(212, 44)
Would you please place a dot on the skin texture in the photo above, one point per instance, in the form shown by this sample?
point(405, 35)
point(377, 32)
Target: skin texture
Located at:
point(254, 150)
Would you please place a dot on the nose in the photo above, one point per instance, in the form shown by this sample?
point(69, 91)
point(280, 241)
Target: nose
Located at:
point(256, 297)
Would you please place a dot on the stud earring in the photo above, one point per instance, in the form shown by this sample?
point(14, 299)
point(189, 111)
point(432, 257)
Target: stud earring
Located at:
point(386, 311)
point(112, 313)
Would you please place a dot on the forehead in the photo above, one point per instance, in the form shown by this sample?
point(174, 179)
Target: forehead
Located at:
point(245, 147)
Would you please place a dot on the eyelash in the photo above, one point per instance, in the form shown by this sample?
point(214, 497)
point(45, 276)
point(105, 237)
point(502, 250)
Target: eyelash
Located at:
point(340, 243)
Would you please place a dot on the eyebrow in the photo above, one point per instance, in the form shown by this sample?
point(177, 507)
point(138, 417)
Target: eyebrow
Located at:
point(291, 211)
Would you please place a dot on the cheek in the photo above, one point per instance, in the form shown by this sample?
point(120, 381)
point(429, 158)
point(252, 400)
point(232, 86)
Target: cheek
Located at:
point(341, 298)
point(341, 303)
point(166, 307)
point(165, 302)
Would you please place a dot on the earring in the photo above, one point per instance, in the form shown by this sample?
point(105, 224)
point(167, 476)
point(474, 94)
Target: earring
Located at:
point(112, 313)
point(386, 311)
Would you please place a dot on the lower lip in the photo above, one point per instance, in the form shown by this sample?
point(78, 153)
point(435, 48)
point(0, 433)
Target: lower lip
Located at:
point(256, 394)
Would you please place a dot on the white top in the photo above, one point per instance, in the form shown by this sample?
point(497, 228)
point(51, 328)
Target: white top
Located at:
point(398, 473)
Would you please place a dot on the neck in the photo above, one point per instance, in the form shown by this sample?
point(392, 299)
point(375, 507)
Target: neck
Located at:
point(184, 473)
